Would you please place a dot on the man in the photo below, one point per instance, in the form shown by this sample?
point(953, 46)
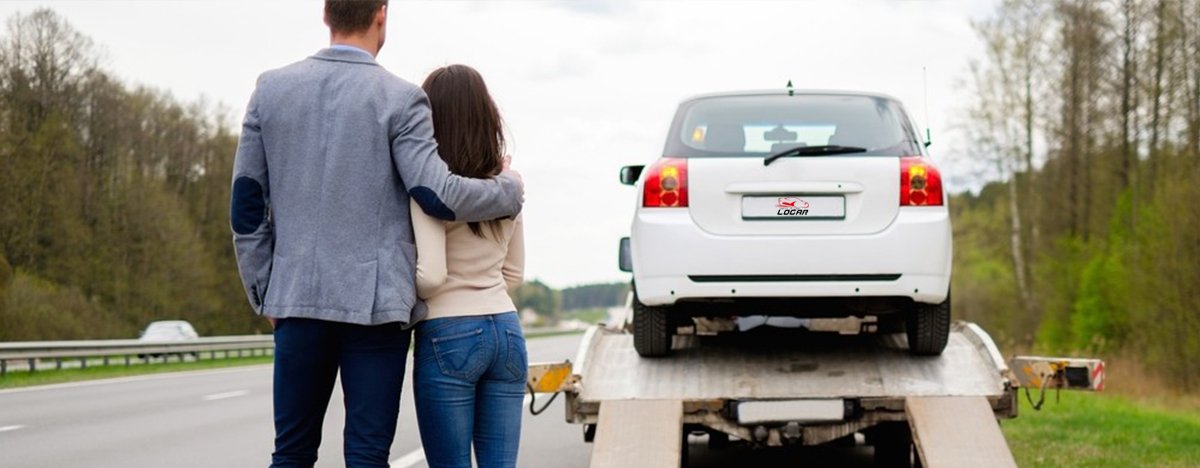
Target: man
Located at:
point(331, 149)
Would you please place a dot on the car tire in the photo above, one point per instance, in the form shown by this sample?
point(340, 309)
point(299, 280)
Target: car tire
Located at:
point(928, 328)
point(651, 330)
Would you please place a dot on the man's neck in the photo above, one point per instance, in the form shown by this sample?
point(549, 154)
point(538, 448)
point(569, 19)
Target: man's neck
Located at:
point(360, 41)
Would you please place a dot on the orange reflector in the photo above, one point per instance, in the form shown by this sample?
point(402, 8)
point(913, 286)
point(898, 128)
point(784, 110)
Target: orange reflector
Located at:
point(550, 377)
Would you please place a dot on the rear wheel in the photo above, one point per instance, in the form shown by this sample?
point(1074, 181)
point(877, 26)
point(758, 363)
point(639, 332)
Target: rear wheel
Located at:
point(651, 330)
point(928, 328)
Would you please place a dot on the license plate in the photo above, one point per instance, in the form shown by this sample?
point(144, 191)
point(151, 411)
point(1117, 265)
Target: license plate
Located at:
point(794, 207)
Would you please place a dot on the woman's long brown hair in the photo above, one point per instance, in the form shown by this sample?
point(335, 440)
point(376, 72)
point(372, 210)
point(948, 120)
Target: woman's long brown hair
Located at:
point(467, 126)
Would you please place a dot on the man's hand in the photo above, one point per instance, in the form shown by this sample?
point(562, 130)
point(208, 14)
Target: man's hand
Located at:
point(507, 168)
point(273, 321)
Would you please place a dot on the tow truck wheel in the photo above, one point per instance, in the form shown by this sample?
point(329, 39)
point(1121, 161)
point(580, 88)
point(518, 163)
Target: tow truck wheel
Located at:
point(928, 328)
point(651, 330)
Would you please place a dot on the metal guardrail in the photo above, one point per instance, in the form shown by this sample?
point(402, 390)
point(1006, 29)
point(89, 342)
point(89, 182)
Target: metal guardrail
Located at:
point(33, 351)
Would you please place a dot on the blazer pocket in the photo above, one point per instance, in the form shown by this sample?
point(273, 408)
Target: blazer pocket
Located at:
point(394, 286)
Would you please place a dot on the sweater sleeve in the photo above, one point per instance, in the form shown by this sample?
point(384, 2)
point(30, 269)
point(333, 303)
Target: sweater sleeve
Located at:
point(430, 235)
point(514, 263)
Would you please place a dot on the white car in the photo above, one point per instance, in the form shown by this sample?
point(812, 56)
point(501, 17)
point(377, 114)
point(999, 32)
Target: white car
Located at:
point(790, 203)
point(168, 330)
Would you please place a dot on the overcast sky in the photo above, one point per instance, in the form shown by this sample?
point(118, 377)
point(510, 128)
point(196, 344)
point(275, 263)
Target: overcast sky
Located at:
point(585, 87)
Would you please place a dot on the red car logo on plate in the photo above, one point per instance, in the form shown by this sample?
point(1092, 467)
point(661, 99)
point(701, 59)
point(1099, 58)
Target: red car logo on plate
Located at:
point(790, 202)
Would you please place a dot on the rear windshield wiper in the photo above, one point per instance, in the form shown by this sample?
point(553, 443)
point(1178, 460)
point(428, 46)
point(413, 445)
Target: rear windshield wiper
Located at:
point(813, 151)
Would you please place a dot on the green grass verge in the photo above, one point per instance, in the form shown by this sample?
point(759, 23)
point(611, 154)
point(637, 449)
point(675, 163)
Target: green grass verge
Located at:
point(51, 376)
point(1088, 429)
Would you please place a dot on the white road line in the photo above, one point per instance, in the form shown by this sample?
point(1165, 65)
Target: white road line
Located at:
point(10, 428)
point(409, 459)
point(224, 395)
point(139, 378)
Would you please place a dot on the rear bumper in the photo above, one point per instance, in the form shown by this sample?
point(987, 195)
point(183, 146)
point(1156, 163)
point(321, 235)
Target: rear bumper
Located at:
point(673, 259)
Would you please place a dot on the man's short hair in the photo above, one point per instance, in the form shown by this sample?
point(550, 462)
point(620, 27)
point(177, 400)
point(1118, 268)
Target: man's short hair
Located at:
point(351, 16)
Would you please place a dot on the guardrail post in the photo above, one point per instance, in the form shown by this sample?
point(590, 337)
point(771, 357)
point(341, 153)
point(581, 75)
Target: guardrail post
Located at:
point(105, 361)
point(58, 363)
point(83, 362)
point(3, 367)
point(32, 365)
point(126, 360)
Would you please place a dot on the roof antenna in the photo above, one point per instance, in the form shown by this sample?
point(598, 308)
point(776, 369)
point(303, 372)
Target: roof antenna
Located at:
point(789, 88)
point(925, 83)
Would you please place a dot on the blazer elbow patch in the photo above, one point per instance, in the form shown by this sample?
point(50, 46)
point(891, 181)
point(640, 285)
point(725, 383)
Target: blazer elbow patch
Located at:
point(249, 207)
point(430, 202)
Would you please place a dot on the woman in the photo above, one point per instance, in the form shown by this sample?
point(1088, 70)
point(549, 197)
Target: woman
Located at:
point(469, 364)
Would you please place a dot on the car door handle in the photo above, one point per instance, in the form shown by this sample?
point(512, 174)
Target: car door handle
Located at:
point(776, 188)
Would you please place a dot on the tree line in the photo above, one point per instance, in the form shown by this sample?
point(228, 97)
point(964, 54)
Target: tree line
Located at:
point(551, 303)
point(113, 198)
point(1085, 117)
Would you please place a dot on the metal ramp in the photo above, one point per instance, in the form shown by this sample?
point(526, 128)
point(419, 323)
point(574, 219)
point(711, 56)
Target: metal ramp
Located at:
point(641, 433)
point(947, 432)
point(957, 431)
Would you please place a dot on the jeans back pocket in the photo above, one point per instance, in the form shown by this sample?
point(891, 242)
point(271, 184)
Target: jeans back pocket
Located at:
point(516, 359)
point(461, 354)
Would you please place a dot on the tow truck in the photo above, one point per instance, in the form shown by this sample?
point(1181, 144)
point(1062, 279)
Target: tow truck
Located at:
point(770, 388)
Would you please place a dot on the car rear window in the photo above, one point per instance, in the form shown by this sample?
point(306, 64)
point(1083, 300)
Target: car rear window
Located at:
point(757, 125)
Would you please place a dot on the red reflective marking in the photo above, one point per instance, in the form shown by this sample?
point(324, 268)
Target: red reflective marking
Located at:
point(1098, 376)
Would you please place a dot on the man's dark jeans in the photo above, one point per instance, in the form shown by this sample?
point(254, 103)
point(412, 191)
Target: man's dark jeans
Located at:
point(308, 356)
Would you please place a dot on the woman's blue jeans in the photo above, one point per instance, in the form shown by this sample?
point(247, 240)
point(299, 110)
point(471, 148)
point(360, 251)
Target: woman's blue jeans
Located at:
point(468, 383)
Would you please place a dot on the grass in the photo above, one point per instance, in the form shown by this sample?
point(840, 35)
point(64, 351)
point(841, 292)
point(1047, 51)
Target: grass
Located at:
point(588, 315)
point(1089, 429)
point(51, 376)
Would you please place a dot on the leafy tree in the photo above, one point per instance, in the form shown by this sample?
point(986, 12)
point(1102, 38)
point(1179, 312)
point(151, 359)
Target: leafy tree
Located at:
point(538, 297)
point(1097, 145)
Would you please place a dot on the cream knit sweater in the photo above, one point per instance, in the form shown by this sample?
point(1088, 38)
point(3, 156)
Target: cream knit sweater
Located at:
point(461, 274)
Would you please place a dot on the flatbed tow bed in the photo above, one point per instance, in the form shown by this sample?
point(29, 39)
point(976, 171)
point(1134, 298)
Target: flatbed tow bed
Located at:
point(769, 388)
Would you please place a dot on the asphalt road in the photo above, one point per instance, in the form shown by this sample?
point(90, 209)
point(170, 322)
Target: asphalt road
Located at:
point(222, 418)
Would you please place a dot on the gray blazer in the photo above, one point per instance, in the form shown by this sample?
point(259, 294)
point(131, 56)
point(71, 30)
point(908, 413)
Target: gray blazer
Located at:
point(331, 149)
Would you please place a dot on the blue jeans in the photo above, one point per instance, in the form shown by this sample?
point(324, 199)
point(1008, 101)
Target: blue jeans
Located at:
point(468, 383)
point(308, 355)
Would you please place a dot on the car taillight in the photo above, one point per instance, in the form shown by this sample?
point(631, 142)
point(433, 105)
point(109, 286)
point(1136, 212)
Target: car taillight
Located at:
point(666, 184)
point(920, 182)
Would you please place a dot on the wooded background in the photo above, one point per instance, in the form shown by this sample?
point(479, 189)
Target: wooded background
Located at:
point(115, 198)
point(1085, 115)
point(1083, 126)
